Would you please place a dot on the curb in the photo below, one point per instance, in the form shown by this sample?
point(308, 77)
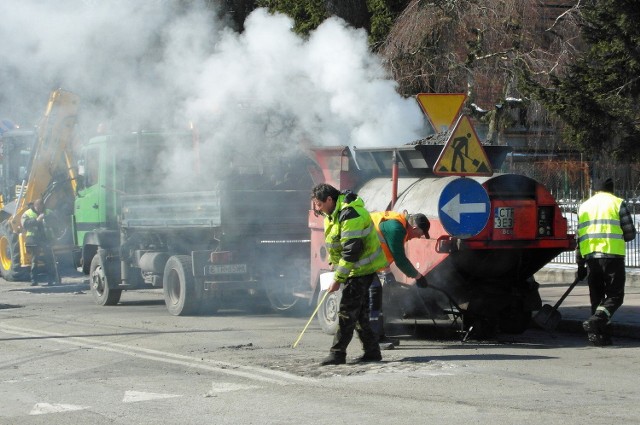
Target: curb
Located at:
point(566, 273)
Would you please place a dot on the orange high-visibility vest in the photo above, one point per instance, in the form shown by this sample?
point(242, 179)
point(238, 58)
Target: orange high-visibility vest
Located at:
point(379, 217)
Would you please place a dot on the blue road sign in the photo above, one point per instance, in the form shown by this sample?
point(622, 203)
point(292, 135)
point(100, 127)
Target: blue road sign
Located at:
point(463, 208)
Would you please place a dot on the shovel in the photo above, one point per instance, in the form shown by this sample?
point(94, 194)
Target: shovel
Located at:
point(548, 317)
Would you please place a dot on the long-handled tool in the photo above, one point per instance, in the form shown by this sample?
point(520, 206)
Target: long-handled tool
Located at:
point(52, 257)
point(324, 297)
point(446, 294)
point(458, 313)
point(456, 309)
point(57, 279)
point(548, 317)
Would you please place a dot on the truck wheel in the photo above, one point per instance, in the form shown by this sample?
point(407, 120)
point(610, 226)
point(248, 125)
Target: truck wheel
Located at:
point(99, 276)
point(10, 256)
point(179, 286)
point(328, 312)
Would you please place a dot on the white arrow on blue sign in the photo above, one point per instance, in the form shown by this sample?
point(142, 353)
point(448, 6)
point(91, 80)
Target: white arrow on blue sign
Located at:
point(463, 208)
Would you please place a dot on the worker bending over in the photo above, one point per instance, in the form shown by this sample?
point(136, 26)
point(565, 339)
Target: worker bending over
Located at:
point(394, 230)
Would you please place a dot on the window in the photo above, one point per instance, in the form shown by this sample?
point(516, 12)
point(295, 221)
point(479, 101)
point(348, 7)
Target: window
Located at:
point(91, 166)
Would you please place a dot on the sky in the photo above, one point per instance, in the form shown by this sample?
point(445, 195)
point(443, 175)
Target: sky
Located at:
point(147, 64)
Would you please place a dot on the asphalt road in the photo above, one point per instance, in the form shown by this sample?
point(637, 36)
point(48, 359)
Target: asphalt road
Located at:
point(64, 360)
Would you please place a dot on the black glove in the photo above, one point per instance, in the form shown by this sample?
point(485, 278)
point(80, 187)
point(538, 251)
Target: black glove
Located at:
point(582, 272)
point(421, 282)
point(582, 265)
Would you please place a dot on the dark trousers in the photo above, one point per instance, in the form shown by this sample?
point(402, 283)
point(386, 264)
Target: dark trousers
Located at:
point(606, 283)
point(42, 253)
point(376, 319)
point(354, 315)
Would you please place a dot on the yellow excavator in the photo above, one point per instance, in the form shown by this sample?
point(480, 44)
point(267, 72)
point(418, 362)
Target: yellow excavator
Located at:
point(51, 177)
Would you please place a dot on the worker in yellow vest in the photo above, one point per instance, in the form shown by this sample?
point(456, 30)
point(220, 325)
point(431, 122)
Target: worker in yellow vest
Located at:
point(356, 255)
point(394, 230)
point(604, 225)
point(37, 221)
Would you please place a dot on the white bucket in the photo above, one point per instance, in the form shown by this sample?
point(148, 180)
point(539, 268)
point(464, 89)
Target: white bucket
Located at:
point(326, 279)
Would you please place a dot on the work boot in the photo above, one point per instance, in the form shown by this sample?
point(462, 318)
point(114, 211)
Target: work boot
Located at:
point(334, 359)
point(597, 332)
point(389, 340)
point(599, 340)
point(387, 343)
point(369, 357)
point(595, 324)
point(604, 339)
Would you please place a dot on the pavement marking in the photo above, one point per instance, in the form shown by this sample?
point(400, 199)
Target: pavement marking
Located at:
point(46, 408)
point(248, 372)
point(136, 396)
point(225, 387)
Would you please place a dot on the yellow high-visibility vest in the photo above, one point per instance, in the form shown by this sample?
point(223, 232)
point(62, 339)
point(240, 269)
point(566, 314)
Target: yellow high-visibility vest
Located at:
point(336, 234)
point(599, 227)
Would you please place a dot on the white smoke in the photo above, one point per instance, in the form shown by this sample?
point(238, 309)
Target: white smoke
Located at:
point(140, 64)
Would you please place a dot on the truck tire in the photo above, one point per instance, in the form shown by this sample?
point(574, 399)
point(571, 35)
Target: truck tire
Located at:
point(10, 256)
point(328, 311)
point(178, 286)
point(100, 277)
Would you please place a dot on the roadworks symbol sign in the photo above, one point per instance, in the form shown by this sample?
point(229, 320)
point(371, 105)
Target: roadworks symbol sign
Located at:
point(463, 154)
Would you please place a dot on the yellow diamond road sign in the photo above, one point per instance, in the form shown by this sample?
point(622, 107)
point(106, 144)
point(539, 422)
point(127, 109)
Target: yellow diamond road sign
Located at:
point(463, 154)
point(442, 109)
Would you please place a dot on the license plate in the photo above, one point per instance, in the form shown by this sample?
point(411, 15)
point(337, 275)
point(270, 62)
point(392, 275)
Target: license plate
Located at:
point(503, 218)
point(225, 269)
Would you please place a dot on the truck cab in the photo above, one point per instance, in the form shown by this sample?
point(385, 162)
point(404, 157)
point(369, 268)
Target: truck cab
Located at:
point(15, 151)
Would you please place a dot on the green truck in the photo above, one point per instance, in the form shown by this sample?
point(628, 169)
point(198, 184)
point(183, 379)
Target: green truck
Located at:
point(237, 242)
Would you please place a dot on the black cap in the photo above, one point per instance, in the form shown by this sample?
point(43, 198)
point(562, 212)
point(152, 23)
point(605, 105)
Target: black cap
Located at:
point(422, 222)
point(605, 185)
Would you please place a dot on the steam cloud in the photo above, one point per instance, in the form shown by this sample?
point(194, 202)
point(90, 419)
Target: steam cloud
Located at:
point(150, 64)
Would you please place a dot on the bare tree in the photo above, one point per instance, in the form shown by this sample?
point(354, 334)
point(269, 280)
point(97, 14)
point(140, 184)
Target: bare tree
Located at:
point(477, 48)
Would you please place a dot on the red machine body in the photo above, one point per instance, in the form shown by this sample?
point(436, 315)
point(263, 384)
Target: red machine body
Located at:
point(489, 275)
